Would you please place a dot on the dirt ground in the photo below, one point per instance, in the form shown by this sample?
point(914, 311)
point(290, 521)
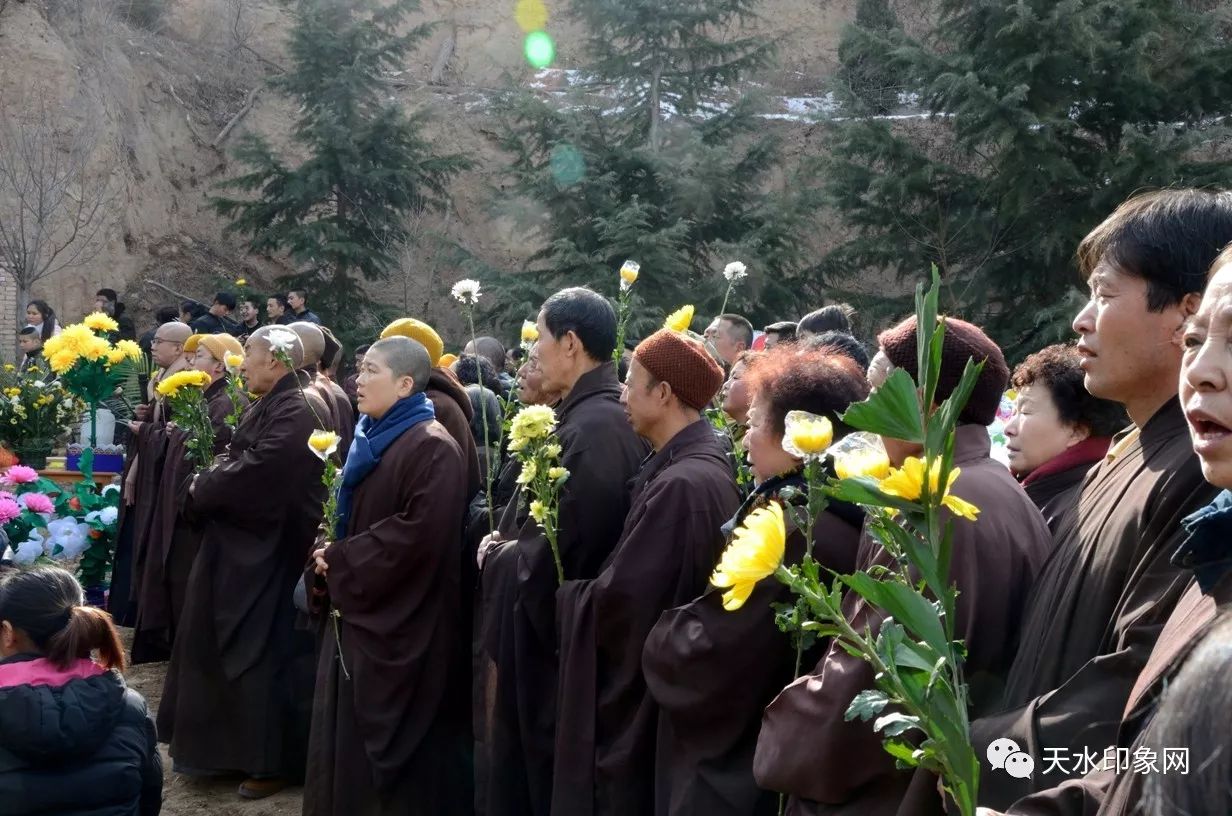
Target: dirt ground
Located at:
point(187, 797)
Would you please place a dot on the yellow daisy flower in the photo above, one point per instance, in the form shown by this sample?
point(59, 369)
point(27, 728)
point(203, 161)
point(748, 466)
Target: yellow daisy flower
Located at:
point(755, 552)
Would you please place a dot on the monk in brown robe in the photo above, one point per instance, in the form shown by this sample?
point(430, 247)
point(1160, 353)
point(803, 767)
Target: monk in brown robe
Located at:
point(605, 731)
point(142, 472)
point(390, 733)
point(577, 333)
point(808, 748)
point(712, 671)
point(237, 692)
point(175, 538)
point(1205, 556)
point(1110, 585)
point(338, 417)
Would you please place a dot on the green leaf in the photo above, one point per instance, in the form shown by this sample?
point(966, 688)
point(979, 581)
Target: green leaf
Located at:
point(863, 490)
point(945, 419)
point(866, 705)
point(916, 613)
point(908, 755)
point(892, 410)
point(896, 723)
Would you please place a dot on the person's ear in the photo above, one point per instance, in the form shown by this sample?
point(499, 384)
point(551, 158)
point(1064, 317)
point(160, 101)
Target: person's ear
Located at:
point(1078, 432)
point(1187, 308)
point(8, 637)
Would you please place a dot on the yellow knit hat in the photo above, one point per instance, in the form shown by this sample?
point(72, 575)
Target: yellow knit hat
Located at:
point(220, 345)
point(420, 332)
point(447, 360)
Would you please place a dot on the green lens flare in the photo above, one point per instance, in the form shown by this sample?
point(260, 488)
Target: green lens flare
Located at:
point(540, 50)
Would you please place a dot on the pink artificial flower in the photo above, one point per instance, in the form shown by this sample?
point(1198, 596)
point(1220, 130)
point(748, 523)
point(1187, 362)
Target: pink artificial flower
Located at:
point(38, 503)
point(19, 474)
point(9, 510)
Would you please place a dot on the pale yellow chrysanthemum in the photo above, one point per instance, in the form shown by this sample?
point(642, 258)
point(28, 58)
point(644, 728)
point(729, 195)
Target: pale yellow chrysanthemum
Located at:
point(557, 474)
point(532, 422)
point(530, 332)
point(130, 349)
point(755, 552)
point(907, 483)
point(184, 379)
point(323, 444)
point(873, 464)
point(529, 471)
point(807, 436)
point(538, 511)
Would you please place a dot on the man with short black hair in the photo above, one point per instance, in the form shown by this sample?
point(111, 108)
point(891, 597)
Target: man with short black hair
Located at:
point(577, 333)
point(218, 320)
point(783, 331)
point(730, 334)
point(297, 299)
point(108, 302)
point(1104, 595)
point(278, 311)
point(250, 317)
point(30, 341)
point(836, 317)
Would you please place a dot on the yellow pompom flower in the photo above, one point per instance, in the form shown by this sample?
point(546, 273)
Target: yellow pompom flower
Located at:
point(907, 483)
point(680, 320)
point(873, 464)
point(131, 350)
point(807, 436)
point(556, 474)
point(530, 332)
point(529, 471)
point(532, 422)
point(183, 379)
point(538, 511)
point(551, 451)
point(755, 552)
point(323, 444)
point(100, 321)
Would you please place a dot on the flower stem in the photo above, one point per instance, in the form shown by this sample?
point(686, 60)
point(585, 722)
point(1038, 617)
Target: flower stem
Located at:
point(483, 413)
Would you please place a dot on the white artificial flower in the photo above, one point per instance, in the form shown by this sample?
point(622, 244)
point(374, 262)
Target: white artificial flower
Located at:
point(734, 271)
point(466, 292)
point(111, 489)
point(108, 515)
point(281, 340)
point(72, 537)
point(40, 384)
point(27, 552)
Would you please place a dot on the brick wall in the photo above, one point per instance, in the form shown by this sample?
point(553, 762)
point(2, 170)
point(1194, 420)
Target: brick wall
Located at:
point(8, 316)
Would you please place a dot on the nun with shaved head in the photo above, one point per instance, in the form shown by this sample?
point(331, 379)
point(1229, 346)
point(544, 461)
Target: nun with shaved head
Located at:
point(390, 727)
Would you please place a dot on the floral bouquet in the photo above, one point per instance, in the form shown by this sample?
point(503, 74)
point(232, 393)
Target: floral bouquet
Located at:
point(533, 442)
point(185, 393)
point(89, 365)
point(629, 271)
point(235, 388)
point(34, 413)
point(324, 446)
point(919, 688)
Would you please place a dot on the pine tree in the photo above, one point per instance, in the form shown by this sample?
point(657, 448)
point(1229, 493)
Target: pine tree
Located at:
point(1046, 115)
point(648, 163)
point(343, 212)
point(866, 83)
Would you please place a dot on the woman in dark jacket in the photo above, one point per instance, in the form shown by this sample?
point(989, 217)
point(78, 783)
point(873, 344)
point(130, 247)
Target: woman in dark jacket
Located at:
point(73, 738)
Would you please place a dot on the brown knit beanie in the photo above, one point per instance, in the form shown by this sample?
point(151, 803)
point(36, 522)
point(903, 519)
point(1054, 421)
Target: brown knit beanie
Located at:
point(683, 364)
point(963, 341)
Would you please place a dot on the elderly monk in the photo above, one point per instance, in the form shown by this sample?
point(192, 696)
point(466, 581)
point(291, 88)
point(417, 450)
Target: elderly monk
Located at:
point(142, 473)
point(340, 417)
point(389, 728)
point(808, 748)
point(237, 690)
point(174, 539)
point(672, 538)
point(577, 334)
point(1110, 584)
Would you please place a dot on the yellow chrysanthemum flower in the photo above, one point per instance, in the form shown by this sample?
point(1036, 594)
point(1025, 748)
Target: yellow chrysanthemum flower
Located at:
point(680, 320)
point(62, 361)
point(551, 451)
point(73, 338)
point(10, 367)
point(100, 321)
point(115, 356)
point(130, 349)
point(873, 464)
point(907, 483)
point(529, 471)
point(532, 422)
point(538, 511)
point(557, 473)
point(530, 332)
point(629, 272)
point(323, 444)
point(241, 282)
point(183, 379)
point(755, 552)
point(96, 348)
point(807, 436)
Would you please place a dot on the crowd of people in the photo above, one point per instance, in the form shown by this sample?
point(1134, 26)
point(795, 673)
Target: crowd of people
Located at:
point(418, 654)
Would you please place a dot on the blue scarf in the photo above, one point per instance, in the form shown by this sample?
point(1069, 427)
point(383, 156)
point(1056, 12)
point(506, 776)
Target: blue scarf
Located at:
point(372, 439)
point(1208, 549)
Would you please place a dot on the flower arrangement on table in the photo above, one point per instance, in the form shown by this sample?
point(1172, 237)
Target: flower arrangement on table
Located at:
point(48, 523)
point(89, 365)
point(919, 703)
point(34, 413)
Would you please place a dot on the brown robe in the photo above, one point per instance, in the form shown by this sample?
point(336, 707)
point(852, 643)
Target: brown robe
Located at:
point(606, 727)
point(1099, 605)
point(341, 419)
point(454, 411)
point(830, 765)
point(602, 454)
point(712, 672)
point(173, 539)
point(1054, 486)
point(393, 738)
point(238, 689)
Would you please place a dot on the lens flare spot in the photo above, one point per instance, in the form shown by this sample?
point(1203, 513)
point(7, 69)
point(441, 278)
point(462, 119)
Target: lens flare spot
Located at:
point(540, 50)
point(566, 165)
point(532, 15)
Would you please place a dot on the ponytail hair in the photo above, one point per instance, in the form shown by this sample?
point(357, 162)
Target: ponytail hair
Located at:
point(48, 606)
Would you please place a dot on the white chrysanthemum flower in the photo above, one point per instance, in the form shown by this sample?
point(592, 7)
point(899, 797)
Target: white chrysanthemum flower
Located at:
point(735, 271)
point(466, 292)
point(281, 340)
